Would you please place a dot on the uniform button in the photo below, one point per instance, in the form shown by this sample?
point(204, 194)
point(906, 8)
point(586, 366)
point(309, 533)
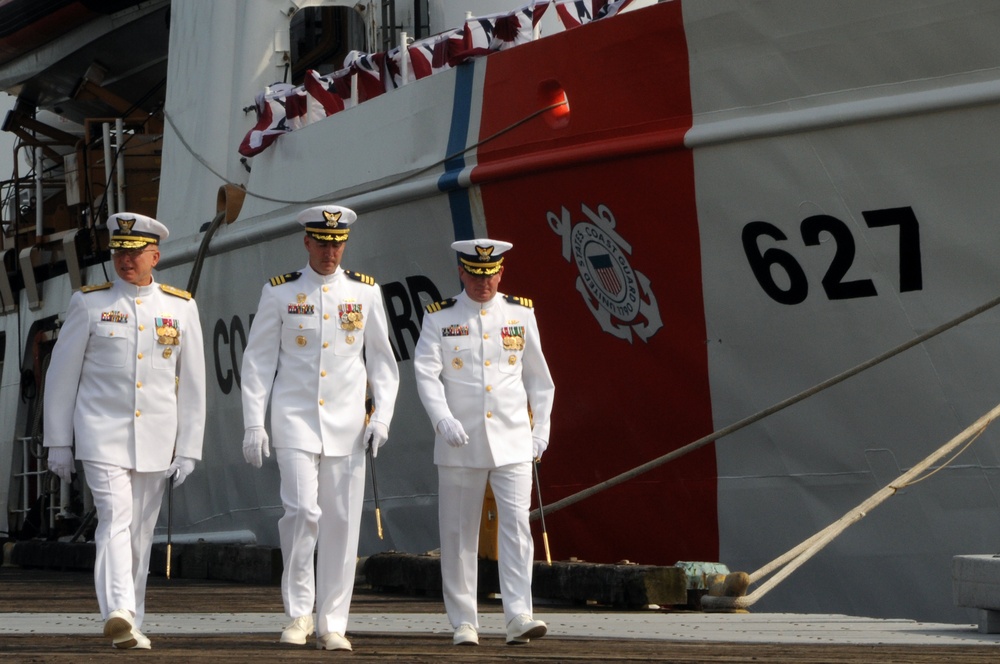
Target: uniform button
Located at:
point(323, 374)
point(142, 327)
point(321, 402)
point(325, 289)
point(326, 344)
point(326, 316)
point(482, 312)
point(486, 336)
point(489, 388)
point(456, 347)
point(139, 384)
point(489, 413)
point(300, 326)
point(140, 356)
point(138, 301)
point(487, 363)
point(138, 413)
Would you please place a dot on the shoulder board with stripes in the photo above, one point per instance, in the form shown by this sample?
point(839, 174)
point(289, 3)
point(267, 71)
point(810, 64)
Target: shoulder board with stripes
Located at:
point(363, 278)
point(95, 287)
point(176, 292)
point(438, 306)
point(517, 299)
point(282, 278)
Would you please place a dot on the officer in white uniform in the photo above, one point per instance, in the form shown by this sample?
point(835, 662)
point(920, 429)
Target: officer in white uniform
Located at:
point(319, 338)
point(126, 381)
point(479, 368)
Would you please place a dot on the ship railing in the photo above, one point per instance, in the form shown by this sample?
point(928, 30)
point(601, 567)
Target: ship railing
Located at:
point(115, 166)
point(28, 242)
point(35, 482)
point(34, 205)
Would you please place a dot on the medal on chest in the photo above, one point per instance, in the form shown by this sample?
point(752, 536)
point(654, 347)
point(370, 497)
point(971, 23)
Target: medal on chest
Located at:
point(351, 316)
point(513, 341)
point(114, 317)
point(168, 331)
point(300, 306)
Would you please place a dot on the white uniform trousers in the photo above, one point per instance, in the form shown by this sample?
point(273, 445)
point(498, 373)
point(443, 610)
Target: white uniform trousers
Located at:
point(127, 504)
point(322, 497)
point(460, 505)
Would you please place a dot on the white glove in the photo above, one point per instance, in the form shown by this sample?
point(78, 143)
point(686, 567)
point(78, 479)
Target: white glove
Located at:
point(538, 447)
point(375, 436)
point(254, 443)
point(61, 462)
point(452, 432)
point(180, 469)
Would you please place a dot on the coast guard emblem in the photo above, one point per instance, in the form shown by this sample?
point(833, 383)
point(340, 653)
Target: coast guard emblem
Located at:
point(619, 297)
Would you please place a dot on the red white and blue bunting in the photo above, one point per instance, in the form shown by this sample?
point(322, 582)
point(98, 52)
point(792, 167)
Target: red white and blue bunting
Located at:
point(282, 107)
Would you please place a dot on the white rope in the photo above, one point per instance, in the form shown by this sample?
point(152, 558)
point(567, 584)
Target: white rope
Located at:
point(796, 557)
point(781, 405)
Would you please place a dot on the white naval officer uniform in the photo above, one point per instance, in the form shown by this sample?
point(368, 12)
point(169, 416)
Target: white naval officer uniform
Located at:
point(126, 381)
point(483, 365)
point(304, 353)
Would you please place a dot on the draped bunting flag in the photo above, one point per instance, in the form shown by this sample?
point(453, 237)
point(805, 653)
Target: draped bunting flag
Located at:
point(297, 109)
point(498, 32)
point(427, 56)
point(271, 120)
point(367, 67)
point(282, 107)
point(574, 13)
point(332, 92)
point(392, 69)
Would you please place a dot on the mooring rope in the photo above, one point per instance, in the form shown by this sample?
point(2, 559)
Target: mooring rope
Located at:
point(796, 557)
point(725, 431)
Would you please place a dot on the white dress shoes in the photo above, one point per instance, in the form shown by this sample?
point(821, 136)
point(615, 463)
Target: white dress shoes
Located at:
point(139, 641)
point(465, 635)
point(118, 624)
point(120, 628)
point(333, 641)
point(523, 628)
point(298, 630)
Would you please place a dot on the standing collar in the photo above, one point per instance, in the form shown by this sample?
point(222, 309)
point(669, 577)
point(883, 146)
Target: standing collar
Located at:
point(307, 271)
point(133, 290)
point(464, 298)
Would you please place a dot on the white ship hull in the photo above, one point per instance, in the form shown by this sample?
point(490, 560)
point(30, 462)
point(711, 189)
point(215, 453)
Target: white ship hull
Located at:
point(745, 199)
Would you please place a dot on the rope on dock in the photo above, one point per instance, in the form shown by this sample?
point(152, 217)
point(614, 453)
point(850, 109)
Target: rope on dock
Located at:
point(796, 557)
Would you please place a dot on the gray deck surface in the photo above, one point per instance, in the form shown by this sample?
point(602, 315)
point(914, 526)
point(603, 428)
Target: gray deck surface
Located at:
point(52, 616)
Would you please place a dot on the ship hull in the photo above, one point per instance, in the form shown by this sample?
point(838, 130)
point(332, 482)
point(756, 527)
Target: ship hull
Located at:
point(740, 201)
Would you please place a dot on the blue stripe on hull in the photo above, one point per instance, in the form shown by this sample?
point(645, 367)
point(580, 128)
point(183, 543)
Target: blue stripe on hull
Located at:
point(458, 197)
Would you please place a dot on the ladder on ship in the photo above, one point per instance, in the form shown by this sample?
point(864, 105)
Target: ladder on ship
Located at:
point(388, 27)
point(36, 507)
point(42, 505)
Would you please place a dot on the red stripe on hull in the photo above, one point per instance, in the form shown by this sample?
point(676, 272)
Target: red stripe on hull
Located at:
point(619, 402)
